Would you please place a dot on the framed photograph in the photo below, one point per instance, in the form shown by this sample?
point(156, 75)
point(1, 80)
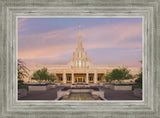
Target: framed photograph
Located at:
point(79, 59)
point(53, 72)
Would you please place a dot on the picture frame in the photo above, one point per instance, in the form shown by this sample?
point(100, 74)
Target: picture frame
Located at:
point(11, 107)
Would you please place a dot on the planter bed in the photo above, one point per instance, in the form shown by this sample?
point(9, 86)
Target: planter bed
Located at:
point(122, 87)
point(37, 88)
point(40, 87)
point(38, 84)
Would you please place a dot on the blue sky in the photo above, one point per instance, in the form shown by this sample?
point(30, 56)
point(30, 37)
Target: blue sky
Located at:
point(108, 41)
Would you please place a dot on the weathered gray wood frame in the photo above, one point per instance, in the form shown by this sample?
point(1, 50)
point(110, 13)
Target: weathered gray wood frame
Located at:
point(148, 10)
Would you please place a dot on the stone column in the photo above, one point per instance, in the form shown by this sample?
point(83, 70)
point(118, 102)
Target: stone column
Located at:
point(95, 77)
point(87, 78)
point(72, 78)
point(64, 77)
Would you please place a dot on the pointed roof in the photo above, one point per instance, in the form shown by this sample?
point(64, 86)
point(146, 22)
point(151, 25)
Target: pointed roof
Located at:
point(80, 46)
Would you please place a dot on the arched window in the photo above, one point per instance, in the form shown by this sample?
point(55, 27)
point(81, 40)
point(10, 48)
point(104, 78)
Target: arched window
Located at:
point(80, 53)
point(80, 63)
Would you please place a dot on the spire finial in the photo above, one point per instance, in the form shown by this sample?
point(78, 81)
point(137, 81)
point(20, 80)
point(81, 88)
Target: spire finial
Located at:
point(79, 38)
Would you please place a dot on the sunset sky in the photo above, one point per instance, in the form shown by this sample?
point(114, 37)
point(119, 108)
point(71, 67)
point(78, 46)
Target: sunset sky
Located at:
point(107, 41)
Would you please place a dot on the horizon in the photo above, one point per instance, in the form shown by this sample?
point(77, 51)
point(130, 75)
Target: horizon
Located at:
point(107, 41)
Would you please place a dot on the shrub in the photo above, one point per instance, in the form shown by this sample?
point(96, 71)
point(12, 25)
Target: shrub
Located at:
point(139, 80)
point(95, 88)
point(23, 87)
point(118, 74)
point(65, 88)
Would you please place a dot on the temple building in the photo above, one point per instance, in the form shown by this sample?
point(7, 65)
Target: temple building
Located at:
point(80, 68)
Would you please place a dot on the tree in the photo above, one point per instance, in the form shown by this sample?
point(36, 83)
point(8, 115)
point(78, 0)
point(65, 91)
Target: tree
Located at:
point(108, 77)
point(139, 79)
point(118, 74)
point(22, 70)
point(43, 75)
point(51, 78)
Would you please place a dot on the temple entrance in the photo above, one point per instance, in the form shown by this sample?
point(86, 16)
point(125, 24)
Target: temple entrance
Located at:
point(79, 78)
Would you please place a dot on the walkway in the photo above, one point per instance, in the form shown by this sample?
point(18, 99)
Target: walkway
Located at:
point(119, 95)
point(50, 94)
point(108, 94)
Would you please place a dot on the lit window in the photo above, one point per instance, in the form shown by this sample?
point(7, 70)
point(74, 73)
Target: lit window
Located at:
point(61, 79)
point(68, 78)
point(79, 53)
point(79, 63)
point(91, 78)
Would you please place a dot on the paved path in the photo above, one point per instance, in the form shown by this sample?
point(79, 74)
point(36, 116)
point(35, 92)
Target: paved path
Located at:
point(119, 95)
point(108, 94)
point(50, 94)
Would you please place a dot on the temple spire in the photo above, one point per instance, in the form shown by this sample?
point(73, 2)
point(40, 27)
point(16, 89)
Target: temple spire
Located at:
point(79, 30)
point(79, 39)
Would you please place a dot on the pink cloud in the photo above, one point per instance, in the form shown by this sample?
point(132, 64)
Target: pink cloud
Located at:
point(60, 34)
point(105, 36)
point(56, 43)
point(46, 52)
point(114, 35)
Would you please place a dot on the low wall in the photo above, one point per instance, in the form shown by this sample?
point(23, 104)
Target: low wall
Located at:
point(122, 88)
point(37, 88)
point(109, 86)
point(80, 85)
point(58, 83)
point(51, 86)
point(92, 84)
point(101, 84)
point(81, 90)
point(98, 93)
point(41, 88)
point(137, 92)
point(62, 93)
